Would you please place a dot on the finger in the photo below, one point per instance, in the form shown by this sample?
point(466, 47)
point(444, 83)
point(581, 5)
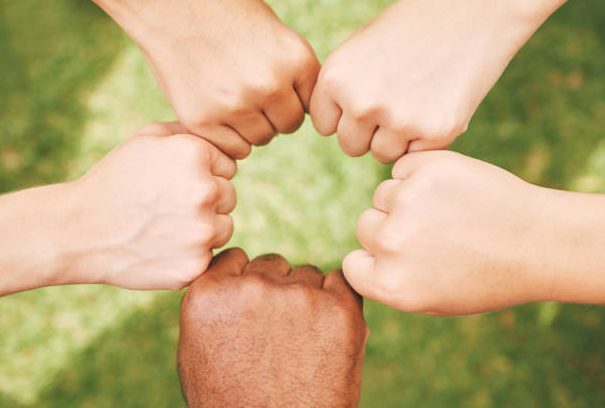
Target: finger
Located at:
point(286, 113)
point(354, 136)
point(307, 275)
point(223, 225)
point(305, 84)
point(387, 146)
point(221, 165)
point(420, 145)
point(359, 269)
point(226, 139)
point(385, 195)
point(227, 196)
point(254, 127)
point(273, 266)
point(163, 129)
point(368, 225)
point(405, 166)
point(325, 113)
point(229, 262)
point(335, 282)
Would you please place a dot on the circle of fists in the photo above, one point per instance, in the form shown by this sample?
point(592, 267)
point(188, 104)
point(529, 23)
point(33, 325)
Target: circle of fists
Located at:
point(392, 89)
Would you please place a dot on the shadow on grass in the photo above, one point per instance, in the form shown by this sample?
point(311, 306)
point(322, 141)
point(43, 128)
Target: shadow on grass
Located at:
point(518, 357)
point(515, 358)
point(131, 365)
point(53, 53)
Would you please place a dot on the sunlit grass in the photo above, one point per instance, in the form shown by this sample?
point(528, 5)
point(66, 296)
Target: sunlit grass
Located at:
point(74, 87)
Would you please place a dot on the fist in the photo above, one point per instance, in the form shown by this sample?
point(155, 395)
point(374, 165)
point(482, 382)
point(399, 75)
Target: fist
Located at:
point(264, 334)
point(412, 79)
point(149, 214)
point(233, 72)
point(449, 235)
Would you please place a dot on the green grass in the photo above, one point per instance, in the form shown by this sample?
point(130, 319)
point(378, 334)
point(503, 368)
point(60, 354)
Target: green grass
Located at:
point(73, 86)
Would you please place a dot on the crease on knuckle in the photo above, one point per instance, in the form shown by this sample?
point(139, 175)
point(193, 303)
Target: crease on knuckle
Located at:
point(389, 240)
point(209, 193)
point(364, 111)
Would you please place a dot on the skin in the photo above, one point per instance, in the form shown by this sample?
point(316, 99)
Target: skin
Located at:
point(116, 225)
point(264, 334)
point(453, 235)
point(412, 79)
point(233, 72)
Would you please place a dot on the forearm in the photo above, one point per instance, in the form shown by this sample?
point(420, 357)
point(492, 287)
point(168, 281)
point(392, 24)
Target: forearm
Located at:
point(572, 246)
point(150, 21)
point(32, 223)
point(135, 17)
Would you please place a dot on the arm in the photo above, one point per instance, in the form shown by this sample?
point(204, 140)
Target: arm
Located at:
point(233, 72)
point(32, 223)
point(117, 224)
point(454, 235)
point(263, 334)
point(412, 79)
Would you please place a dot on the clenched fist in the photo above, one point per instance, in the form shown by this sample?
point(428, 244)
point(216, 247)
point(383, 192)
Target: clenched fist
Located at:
point(264, 334)
point(149, 214)
point(412, 79)
point(233, 72)
point(454, 235)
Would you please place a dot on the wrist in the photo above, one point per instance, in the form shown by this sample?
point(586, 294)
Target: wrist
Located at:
point(139, 19)
point(572, 245)
point(537, 11)
point(33, 222)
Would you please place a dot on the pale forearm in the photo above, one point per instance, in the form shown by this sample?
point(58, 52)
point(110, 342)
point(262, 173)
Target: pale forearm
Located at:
point(133, 16)
point(573, 246)
point(32, 223)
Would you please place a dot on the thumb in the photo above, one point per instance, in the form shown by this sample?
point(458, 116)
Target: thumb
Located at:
point(325, 113)
point(358, 268)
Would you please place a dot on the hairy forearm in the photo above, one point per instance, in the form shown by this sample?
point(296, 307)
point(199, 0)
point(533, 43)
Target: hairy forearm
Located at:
point(572, 246)
point(32, 223)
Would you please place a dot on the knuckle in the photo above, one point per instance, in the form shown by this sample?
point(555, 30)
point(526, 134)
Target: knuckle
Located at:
point(445, 130)
point(192, 269)
point(330, 77)
point(188, 147)
point(234, 103)
point(193, 119)
point(253, 291)
point(389, 284)
point(364, 110)
point(205, 235)
point(303, 60)
point(209, 193)
point(389, 240)
point(269, 88)
point(340, 313)
point(302, 296)
point(401, 198)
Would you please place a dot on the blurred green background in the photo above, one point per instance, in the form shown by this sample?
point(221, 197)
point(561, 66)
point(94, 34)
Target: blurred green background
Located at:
point(72, 86)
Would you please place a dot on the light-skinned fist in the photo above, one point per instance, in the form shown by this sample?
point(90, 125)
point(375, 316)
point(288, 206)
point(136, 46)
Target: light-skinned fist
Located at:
point(148, 215)
point(412, 79)
point(449, 234)
point(233, 72)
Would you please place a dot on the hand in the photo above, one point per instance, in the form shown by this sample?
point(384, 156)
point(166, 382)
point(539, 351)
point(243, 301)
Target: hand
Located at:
point(454, 235)
point(148, 215)
point(262, 334)
point(412, 79)
point(233, 72)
